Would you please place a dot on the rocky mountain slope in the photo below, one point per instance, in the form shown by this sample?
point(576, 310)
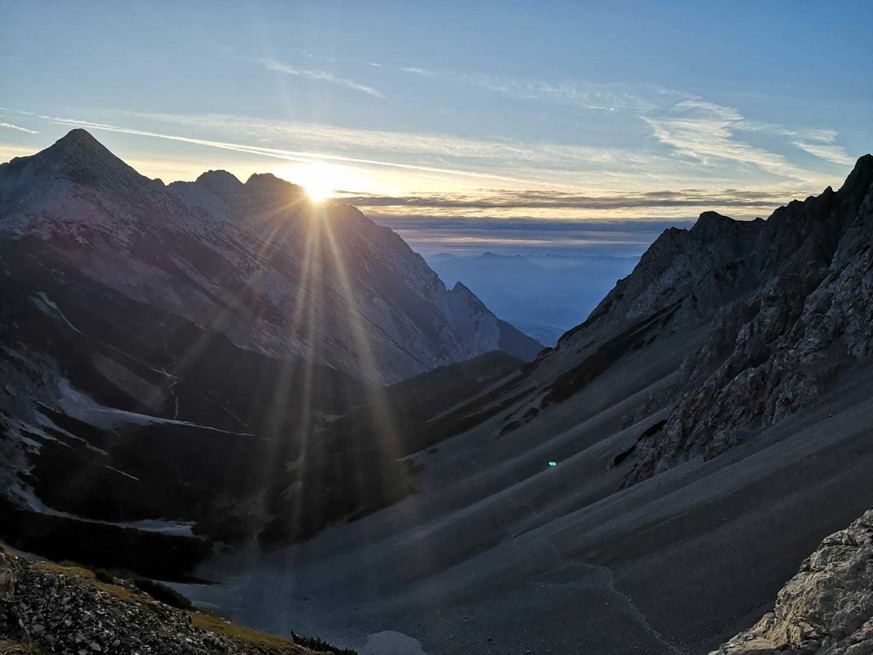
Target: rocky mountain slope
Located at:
point(173, 358)
point(47, 608)
point(770, 353)
point(827, 608)
point(775, 311)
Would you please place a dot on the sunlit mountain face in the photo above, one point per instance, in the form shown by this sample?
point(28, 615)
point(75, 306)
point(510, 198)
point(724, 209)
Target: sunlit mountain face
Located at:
point(227, 326)
point(436, 329)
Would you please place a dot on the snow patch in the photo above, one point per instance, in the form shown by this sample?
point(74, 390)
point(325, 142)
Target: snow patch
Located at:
point(86, 409)
point(119, 471)
point(44, 304)
point(46, 422)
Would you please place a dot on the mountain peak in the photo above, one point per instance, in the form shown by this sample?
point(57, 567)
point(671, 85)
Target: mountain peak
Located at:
point(79, 141)
point(270, 186)
point(220, 182)
point(218, 175)
point(80, 134)
point(861, 176)
point(81, 158)
point(463, 293)
point(710, 224)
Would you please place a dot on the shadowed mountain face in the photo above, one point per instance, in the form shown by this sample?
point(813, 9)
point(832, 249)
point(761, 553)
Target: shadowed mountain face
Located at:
point(788, 302)
point(173, 357)
point(649, 484)
point(773, 312)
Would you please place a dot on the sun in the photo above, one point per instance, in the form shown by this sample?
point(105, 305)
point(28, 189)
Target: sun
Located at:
point(324, 180)
point(318, 192)
point(318, 179)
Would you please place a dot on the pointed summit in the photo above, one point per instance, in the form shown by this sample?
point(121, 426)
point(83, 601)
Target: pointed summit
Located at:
point(82, 159)
point(81, 144)
point(861, 177)
point(463, 293)
point(79, 137)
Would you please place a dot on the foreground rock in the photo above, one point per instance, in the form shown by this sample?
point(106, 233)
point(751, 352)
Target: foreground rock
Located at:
point(827, 608)
point(45, 608)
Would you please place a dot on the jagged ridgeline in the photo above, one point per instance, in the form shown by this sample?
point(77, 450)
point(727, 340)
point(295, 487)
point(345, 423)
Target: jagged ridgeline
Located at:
point(774, 313)
point(174, 358)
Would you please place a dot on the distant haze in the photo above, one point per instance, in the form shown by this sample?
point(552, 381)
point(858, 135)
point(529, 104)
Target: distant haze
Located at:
point(543, 277)
point(543, 294)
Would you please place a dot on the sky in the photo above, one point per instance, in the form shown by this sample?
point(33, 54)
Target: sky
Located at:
point(462, 124)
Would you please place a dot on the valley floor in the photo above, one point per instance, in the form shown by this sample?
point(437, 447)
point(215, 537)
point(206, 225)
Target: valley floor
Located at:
point(499, 552)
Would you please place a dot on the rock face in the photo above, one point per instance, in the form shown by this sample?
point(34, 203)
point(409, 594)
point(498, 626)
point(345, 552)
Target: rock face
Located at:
point(827, 608)
point(64, 610)
point(784, 304)
point(807, 318)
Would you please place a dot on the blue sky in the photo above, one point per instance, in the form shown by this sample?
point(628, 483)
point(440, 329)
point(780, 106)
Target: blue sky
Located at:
point(604, 106)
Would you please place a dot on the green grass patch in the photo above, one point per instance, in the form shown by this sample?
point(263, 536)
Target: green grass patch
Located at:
point(12, 647)
point(90, 578)
point(248, 636)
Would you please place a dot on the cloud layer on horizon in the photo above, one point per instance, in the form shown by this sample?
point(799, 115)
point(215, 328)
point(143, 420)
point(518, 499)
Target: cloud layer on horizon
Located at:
point(458, 236)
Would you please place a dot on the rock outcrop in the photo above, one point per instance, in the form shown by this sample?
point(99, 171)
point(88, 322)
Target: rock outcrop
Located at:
point(772, 351)
point(827, 608)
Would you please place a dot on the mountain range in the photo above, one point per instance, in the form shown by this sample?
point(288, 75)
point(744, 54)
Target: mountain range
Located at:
point(170, 350)
point(648, 485)
point(203, 365)
point(258, 263)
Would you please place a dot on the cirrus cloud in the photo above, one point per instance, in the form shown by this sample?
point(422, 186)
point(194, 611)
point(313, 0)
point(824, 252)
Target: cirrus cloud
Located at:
point(319, 76)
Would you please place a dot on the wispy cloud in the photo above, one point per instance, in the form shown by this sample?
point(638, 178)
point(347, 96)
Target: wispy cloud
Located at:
point(819, 143)
point(10, 126)
point(558, 180)
point(275, 153)
point(706, 133)
point(832, 153)
point(693, 128)
point(319, 75)
point(601, 97)
point(498, 160)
